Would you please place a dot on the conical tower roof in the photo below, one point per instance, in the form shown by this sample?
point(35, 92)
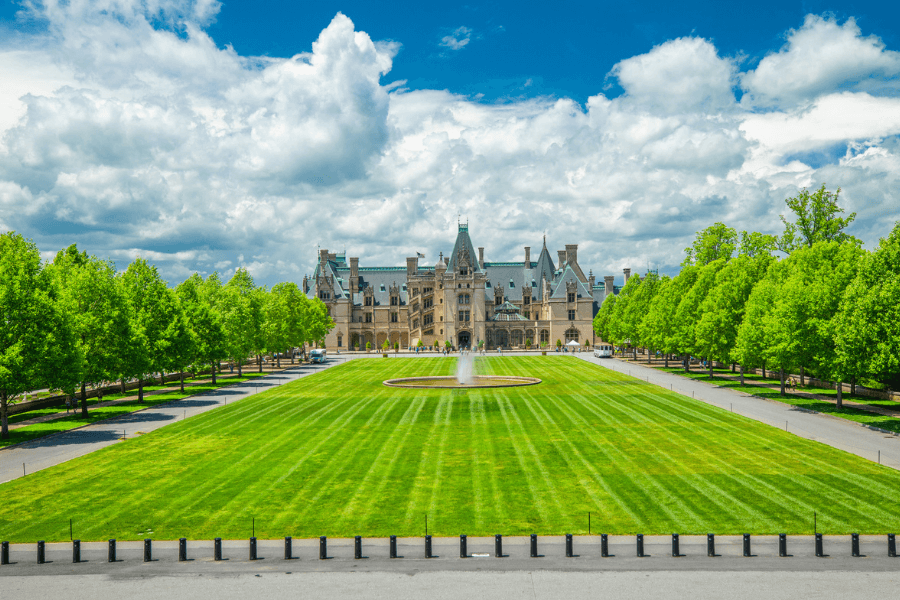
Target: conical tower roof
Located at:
point(463, 250)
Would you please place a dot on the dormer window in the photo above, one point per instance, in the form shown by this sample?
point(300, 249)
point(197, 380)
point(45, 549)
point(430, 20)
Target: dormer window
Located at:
point(393, 300)
point(368, 301)
point(463, 270)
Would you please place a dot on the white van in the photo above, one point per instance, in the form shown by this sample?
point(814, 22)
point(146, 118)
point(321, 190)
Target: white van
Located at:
point(317, 355)
point(603, 351)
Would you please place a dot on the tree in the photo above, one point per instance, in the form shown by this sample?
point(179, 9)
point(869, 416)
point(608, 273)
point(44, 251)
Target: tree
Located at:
point(754, 244)
point(716, 242)
point(285, 313)
point(157, 323)
point(602, 318)
point(637, 310)
point(664, 308)
point(867, 326)
point(37, 344)
point(97, 311)
point(616, 326)
point(752, 344)
point(318, 321)
point(208, 337)
point(688, 313)
point(241, 309)
point(817, 220)
point(722, 312)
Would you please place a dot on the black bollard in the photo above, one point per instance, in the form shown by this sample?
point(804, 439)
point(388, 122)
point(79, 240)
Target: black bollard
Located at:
point(604, 545)
point(4, 553)
point(892, 545)
point(854, 544)
point(534, 553)
point(40, 552)
point(111, 554)
point(675, 551)
point(498, 546)
point(640, 545)
point(427, 546)
point(819, 551)
point(288, 551)
point(782, 544)
point(463, 552)
point(710, 544)
point(148, 553)
point(393, 546)
point(217, 549)
point(182, 549)
point(747, 545)
point(357, 547)
point(76, 551)
point(569, 552)
point(323, 547)
point(253, 548)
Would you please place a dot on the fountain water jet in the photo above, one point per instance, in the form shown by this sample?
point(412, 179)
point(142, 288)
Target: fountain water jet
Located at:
point(465, 368)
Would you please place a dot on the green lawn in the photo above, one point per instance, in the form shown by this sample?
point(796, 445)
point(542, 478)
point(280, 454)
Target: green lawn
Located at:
point(339, 454)
point(73, 419)
point(847, 412)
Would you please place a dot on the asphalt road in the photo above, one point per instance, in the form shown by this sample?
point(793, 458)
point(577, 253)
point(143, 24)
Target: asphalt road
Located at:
point(840, 433)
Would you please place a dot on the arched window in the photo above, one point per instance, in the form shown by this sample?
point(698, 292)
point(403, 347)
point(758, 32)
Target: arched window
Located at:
point(571, 334)
point(516, 338)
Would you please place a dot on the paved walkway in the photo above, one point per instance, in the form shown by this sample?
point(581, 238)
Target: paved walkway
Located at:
point(58, 448)
point(776, 386)
point(840, 433)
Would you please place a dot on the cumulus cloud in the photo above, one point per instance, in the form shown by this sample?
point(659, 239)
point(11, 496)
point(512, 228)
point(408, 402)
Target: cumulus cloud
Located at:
point(135, 135)
point(458, 39)
point(820, 57)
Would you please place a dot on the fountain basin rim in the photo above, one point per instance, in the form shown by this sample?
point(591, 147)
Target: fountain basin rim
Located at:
point(479, 381)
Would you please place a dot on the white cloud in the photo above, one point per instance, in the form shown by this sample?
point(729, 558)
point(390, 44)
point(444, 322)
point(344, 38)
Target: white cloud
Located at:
point(822, 57)
point(458, 39)
point(195, 157)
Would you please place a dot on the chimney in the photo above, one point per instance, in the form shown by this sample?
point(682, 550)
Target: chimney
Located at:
point(608, 282)
point(481, 258)
point(354, 274)
point(562, 258)
point(527, 257)
point(305, 284)
point(627, 274)
point(572, 254)
point(323, 256)
point(591, 280)
point(446, 260)
point(412, 265)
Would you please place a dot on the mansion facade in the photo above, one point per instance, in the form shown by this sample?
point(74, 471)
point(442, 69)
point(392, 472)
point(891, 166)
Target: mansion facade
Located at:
point(462, 299)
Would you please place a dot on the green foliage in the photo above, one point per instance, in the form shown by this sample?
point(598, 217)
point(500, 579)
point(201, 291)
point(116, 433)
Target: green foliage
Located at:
point(722, 311)
point(716, 242)
point(419, 344)
point(95, 307)
point(198, 300)
point(37, 342)
point(447, 344)
point(754, 244)
point(867, 326)
point(241, 307)
point(817, 220)
point(385, 345)
point(604, 315)
point(686, 316)
point(558, 343)
point(637, 308)
point(368, 345)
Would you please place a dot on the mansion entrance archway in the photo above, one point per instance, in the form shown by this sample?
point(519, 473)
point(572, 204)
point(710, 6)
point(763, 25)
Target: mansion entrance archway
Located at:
point(465, 339)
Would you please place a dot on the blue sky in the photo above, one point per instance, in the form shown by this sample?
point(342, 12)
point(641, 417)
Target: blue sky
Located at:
point(206, 136)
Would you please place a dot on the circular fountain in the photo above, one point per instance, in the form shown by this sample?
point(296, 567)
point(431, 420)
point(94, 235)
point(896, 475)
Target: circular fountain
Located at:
point(465, 378)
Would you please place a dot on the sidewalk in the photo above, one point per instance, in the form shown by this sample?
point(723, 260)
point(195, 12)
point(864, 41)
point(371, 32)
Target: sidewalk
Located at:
point(868, 443)
point(776, 386)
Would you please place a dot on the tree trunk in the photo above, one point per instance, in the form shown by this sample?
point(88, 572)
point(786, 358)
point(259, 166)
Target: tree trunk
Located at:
point(710, 368)
point(840, 397)
point(667, 360)
point(732, 367)
point(84, 400)
point(4, 420)
point(764, 369)
point(213, 370)
point(782, 381)
point(802, 376)
point(648, 356)
point(278, 360)
point(853, 386)
point(634, 352)
point(140, 390)
point(162, 378)
point(291, 350)
point(182, 382)
point(240, 368)
point(122, 388)
point(742, 374)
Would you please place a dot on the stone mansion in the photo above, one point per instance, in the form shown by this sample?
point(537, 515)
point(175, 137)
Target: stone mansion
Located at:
point(461, 299)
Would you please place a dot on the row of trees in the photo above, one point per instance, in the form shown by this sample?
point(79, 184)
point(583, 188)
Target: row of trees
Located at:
point(77, 322)
point(811, 300)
